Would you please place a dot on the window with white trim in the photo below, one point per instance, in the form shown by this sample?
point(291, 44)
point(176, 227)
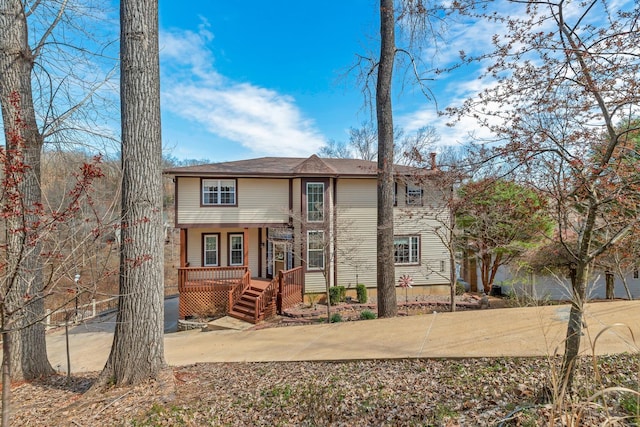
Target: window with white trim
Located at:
point(218, 192)
point(414, 195)
point(210, 243)
point(315, 201)
point(236, 249)
point(315, 250)
point(406, 249)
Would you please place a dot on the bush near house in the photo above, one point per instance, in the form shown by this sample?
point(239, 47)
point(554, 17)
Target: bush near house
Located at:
point(337, 294)
point(361, 291)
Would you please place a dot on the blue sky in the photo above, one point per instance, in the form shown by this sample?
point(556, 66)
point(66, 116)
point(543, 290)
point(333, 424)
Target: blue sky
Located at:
point(256, 78)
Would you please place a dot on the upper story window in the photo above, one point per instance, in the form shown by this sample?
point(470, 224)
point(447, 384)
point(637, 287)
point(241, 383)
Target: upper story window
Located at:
point(414, 195)
point(406, 249)
point(219, 192)
point(315, 201)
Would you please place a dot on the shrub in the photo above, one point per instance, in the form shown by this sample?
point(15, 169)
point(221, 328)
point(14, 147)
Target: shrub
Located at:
point(337, 294)
point(361, 291)
point(367, 315)
point(336, 318)
point(459, 288)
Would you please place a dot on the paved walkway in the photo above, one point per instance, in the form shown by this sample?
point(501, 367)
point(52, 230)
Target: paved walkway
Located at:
point(534, 331)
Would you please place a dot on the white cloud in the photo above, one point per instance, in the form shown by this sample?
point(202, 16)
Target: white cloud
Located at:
point(260, 119)
point(465, 130)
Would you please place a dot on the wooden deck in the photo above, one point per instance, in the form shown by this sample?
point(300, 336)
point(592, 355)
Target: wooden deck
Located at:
point(260, 283)
point(206, 291)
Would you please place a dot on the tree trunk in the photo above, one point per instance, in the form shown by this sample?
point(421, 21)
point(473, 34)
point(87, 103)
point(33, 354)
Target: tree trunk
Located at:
point(473, 274)
point(387, 304)
point(609, 285)
point(494, 269)
point(452, 277)
point(28, 346)
point(485, 266)
point(574, 326)
point(579, 274)
point(137, 353)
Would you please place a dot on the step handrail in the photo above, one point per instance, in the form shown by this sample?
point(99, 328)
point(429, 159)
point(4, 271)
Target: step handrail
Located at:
point(266, 297)
point(237, 290)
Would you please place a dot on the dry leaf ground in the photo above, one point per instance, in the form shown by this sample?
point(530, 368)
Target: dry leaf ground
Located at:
point(417, 392)
point(466, 392)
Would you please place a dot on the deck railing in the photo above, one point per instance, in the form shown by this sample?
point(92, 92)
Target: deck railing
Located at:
point(205, 290)
point(290, 288)
point(266, 297)
point(194, 277)
point(236, 292)
point(214, 290)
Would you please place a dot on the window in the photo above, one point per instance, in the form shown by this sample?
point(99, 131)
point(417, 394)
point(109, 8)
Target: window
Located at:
point(315, 201)
point(414, 195)
point(236, 249)
point(315, 250)
point(219, 192)
point(395, 193)
point(210, 255)
point(406, 249)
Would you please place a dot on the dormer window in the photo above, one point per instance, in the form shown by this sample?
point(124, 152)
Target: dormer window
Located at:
point(219, 192)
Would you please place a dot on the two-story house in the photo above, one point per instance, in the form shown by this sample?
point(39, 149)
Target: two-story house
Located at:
point(316, 215)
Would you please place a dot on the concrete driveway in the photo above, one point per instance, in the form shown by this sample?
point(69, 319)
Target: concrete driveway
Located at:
point(107, 321)
point(534, 331)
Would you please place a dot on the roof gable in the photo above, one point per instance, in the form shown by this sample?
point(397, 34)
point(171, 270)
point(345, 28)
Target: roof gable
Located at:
point(314, 166)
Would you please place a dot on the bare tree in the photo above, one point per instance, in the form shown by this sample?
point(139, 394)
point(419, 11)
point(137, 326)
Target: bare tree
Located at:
point(16, 63)
point(564, 93)
point(410, 149)
point(387, 304)
point(415, 17)
point(28, 228)
point(138, 348)
point(37, 62)
point(335, 149)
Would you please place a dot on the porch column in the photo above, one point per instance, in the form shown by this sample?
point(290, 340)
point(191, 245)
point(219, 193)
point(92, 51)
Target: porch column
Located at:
point(246, 247)
point(183, 247)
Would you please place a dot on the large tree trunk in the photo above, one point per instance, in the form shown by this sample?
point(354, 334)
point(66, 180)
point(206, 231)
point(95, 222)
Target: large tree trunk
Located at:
point(28, 355)
point(137, 353)
point(387, 305)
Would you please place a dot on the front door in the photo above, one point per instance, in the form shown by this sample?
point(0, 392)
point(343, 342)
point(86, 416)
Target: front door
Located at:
point(279, 257)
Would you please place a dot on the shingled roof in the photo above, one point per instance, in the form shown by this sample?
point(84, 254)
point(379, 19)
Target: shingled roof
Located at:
point(289, 167)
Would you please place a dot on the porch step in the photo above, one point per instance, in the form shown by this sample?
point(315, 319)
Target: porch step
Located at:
point(245, 308)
